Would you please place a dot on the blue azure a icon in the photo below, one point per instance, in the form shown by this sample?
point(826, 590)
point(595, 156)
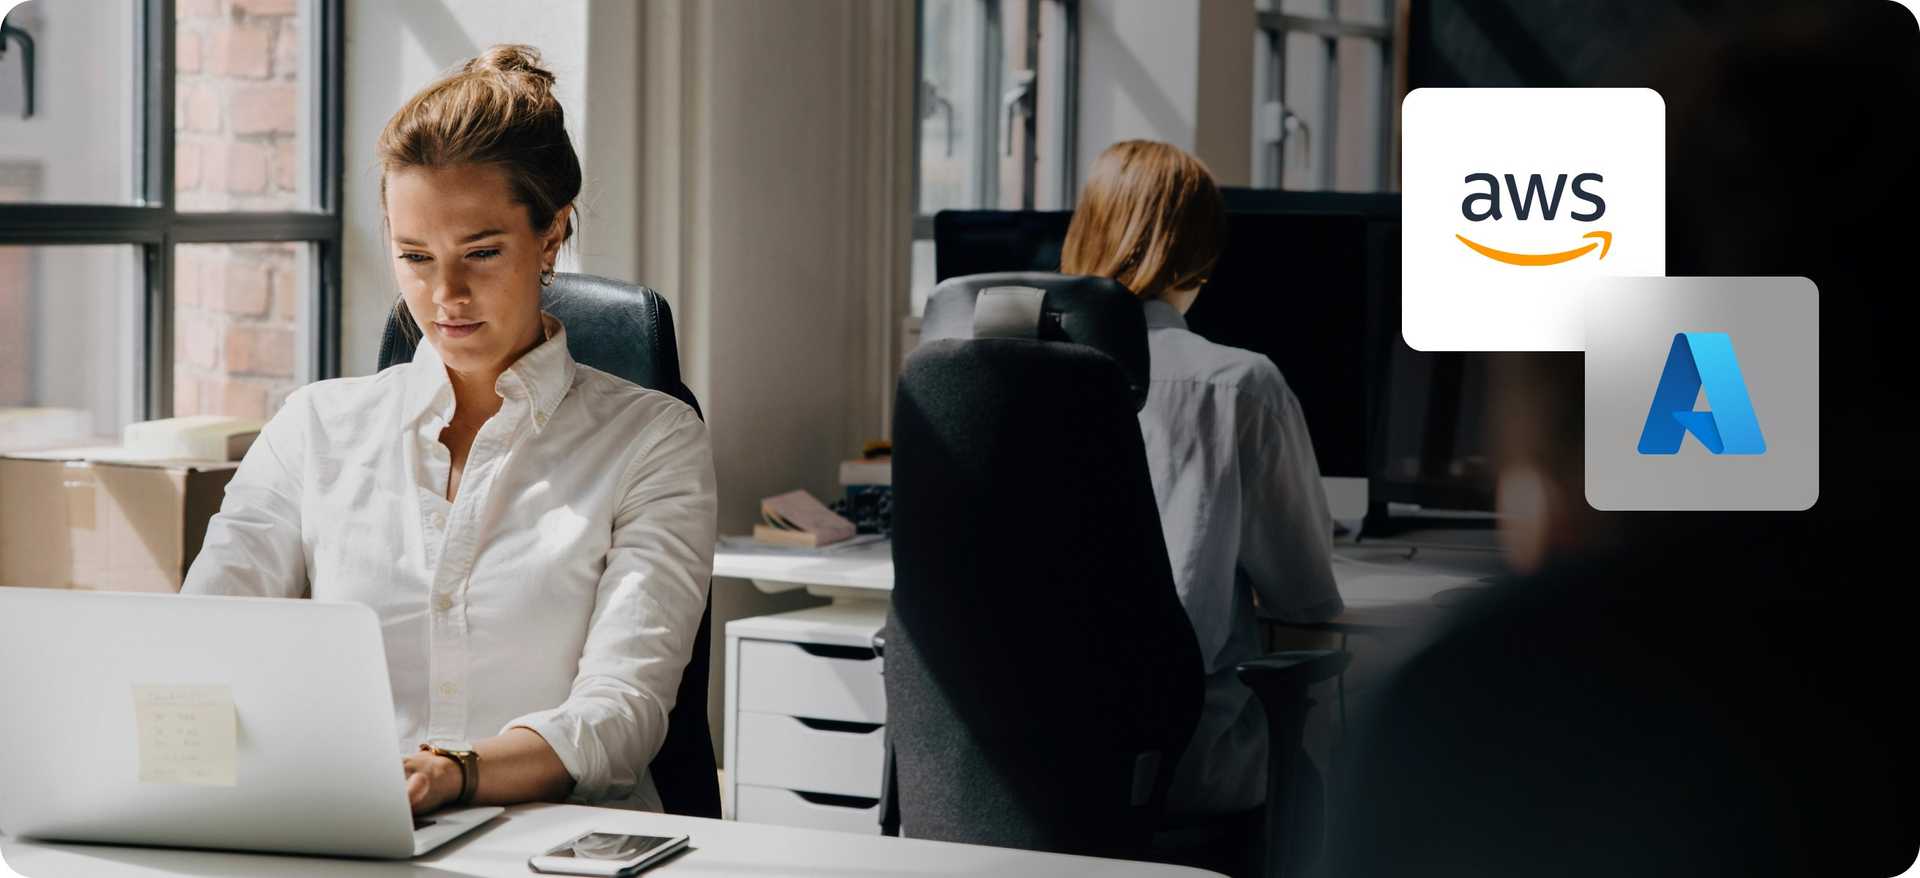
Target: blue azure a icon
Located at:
point(1702, 361)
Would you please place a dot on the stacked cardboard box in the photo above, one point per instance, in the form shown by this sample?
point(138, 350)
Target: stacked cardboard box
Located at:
point(84, 519)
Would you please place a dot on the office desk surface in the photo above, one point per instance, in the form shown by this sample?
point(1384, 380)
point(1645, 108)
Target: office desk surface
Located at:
point(501, 848)
point(867, 567)
point(1371, 576)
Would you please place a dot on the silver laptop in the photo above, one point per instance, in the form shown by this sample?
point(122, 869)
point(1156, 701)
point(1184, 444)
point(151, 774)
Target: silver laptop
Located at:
point(210, 722)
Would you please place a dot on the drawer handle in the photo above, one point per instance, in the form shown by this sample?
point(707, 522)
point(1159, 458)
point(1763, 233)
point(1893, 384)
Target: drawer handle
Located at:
point(833, 801)
point(828, 650)
point(837, 725)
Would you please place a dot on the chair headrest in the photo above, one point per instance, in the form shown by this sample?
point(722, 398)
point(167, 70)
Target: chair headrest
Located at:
point(1093, 311)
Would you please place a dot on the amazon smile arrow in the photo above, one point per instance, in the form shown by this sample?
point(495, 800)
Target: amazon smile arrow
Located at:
point(1605, 243)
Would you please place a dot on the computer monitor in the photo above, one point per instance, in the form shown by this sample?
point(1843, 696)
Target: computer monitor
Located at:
point(1311, 280)
point(984, 241)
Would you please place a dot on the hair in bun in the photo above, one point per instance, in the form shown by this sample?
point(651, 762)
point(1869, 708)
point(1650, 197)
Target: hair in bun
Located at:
point(497, 109)
point(511, 59)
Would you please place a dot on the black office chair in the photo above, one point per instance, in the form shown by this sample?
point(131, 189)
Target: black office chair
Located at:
point(1293, 825)
point(627, 330)
point(1042, 679)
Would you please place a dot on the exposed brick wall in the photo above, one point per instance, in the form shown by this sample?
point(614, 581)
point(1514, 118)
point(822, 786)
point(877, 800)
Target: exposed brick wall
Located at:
point(239, 140)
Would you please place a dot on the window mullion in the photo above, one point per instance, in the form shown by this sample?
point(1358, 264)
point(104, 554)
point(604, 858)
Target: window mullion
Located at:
point(156, 181)
point(987, 149)
point(157, 121)
point(157, 396)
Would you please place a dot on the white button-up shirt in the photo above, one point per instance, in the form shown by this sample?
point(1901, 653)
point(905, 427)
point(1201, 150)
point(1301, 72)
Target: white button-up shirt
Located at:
point(560, 591)
point(1243, 513)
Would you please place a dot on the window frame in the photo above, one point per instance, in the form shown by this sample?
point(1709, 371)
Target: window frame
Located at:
point(1274, 26)
point(157, 226)
point(991, 84)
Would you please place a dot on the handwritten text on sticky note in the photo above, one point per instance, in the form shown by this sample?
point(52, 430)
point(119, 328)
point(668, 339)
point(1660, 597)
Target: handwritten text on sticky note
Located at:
point(186, 734)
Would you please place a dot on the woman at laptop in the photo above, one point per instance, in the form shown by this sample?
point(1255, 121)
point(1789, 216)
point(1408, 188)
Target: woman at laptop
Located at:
point(1233, 470)
point(536, 536)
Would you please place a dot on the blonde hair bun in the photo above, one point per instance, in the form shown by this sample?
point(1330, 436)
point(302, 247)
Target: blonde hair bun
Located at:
point(511, 59)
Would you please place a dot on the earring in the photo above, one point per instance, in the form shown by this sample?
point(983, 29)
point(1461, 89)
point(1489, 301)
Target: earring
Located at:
point(546, 278)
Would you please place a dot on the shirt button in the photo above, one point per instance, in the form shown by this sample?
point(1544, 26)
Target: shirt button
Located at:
point(449, 689)
point(439, 519)
point(443, 601)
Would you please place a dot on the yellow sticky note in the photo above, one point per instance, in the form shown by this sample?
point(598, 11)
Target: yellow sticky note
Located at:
point(186, 734)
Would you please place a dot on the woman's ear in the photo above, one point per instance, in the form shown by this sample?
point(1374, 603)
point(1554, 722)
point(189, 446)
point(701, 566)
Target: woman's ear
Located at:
point(556, 235)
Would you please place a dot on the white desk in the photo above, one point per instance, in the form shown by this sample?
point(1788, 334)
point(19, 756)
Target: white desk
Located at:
point(501, 848)
point(858, 572)
point(1371, 576)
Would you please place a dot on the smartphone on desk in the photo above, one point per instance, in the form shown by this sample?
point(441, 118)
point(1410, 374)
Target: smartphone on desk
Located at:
point(606, 853)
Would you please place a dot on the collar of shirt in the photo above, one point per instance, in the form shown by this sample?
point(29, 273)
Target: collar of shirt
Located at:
point(1161, 315)
point(543, 375)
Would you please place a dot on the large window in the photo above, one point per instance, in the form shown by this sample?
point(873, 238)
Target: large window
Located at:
point(169, 210)
point(995, 110)
point(1325, 95)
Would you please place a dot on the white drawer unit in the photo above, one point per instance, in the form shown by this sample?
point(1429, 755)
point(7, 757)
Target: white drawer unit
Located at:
point(818, 681)
point(813, 810)
point(818, 756)
point(805, 718)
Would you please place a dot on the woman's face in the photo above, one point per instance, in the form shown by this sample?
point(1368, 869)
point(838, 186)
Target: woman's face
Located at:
point(468, 262)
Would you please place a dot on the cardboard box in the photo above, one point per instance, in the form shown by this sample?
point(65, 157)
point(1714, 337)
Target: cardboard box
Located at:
point(80, 519)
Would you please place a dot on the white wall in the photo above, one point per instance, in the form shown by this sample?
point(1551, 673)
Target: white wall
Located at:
point(1180, 71)
point(395, 49)
point(777, 147)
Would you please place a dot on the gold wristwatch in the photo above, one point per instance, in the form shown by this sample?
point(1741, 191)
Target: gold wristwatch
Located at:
point(469, 763)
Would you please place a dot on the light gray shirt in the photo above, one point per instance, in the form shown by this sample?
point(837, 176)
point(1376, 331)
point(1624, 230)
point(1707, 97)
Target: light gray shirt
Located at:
point(1244, 515)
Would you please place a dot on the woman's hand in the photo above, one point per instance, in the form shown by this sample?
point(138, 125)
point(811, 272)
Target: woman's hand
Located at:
point(432, 781)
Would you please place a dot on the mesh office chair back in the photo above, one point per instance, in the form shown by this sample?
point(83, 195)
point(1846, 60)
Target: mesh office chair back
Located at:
point(627, 330)
point(1041, 676)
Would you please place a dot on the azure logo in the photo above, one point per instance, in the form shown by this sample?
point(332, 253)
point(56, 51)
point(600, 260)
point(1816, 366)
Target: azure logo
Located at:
point(1734, 419)
point(1702, 361)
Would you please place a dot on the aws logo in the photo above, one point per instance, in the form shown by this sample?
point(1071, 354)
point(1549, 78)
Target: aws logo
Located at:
point(1501, 185)
point(1525, 201)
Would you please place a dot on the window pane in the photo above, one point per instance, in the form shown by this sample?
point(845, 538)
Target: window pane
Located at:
point(80, 145)
point(1362, 84)
point(1308, 136)
point(1364, 11)
point(1307, 8)
point(922, 278)
point(242, 104)
point(1012, 151)
point(952, 126)
point(240, 338)
point(68, 343)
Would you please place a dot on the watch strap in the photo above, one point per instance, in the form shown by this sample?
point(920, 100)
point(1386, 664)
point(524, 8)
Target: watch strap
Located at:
point(469, 763)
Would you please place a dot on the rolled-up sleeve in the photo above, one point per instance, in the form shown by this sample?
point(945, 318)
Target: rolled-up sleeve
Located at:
point(1286, 548)
point(646, 614)
point(253, 544)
